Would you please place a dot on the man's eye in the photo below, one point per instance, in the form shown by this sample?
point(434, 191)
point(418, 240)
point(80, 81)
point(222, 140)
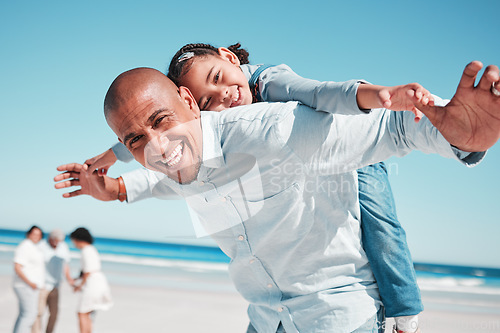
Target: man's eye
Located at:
point(158, 121)
point(216, 78)
point(134, 140)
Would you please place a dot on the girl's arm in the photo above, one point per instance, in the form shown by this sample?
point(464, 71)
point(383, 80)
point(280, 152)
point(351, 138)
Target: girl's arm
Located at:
point(104, 161)
point(281, 84)
point(84, 278)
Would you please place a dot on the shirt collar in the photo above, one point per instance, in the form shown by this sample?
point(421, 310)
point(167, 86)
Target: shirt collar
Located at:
point(212, 150)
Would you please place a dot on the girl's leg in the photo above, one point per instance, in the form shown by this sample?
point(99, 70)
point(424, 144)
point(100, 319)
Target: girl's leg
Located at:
point(384, 241)
point(85, 322)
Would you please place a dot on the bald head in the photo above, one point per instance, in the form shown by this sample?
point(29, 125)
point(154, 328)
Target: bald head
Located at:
point(138, 81)
point(154, 118)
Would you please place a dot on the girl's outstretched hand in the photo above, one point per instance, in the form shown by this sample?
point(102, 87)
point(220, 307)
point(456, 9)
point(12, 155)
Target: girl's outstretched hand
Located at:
point(402, 98)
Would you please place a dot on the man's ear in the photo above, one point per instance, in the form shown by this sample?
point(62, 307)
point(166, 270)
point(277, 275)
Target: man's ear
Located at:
point(228, 55)
point(187, 97)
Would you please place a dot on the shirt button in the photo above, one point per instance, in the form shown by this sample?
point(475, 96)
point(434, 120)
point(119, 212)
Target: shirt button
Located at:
point(223, 199)
point(280, 309)
point(270, 286)
point(252, 261)
point(201, 183)
point(240, 237)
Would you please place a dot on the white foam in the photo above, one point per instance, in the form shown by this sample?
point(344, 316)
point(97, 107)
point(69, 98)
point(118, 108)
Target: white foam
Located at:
point(195, 266)
point(462, 285)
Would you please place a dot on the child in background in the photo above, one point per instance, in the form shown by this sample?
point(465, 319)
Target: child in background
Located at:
point(95, 293)
point(221, 78)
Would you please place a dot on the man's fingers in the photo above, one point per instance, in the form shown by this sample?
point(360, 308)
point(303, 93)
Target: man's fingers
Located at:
point(102, 171)
point(469, 75)
point(490, 75)
point(66, 175)
point(70, 167)
point(72, 194)
point(67, 183)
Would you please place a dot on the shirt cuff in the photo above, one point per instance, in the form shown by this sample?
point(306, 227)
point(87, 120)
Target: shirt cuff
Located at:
point(469, 159)
point(121, 152)
point(355, 95)
point(137, 185)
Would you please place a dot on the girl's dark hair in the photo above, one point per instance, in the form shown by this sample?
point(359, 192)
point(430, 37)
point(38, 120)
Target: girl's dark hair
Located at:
point(33, 228)
point(82, 234)
point(183, 60)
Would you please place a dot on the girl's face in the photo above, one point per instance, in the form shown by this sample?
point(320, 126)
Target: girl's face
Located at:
point(217, 82)
point(78, 243)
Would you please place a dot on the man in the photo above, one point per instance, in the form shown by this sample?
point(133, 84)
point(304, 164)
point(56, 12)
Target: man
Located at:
point(291, 228)
point(56, 256)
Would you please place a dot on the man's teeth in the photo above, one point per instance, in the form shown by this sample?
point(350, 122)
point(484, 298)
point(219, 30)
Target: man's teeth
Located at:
point(174, 157)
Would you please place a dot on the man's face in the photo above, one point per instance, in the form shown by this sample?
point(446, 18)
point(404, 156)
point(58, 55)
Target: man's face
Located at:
point(161, 128)
point(53, 242)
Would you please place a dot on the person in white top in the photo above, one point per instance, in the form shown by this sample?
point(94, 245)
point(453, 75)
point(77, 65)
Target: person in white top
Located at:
point(29, 278)
point(95, 292)
point(56, 256)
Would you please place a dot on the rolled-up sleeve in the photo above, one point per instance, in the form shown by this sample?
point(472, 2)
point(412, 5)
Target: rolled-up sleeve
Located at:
point(122, 153)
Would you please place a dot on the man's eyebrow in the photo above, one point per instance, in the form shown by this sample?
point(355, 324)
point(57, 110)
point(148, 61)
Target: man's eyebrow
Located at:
point(152, 117)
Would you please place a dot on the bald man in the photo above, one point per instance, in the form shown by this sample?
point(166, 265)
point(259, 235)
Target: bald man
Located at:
point(260, 179)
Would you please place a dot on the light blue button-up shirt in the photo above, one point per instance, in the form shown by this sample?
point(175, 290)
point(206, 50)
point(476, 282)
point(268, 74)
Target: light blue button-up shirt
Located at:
point(278, 193)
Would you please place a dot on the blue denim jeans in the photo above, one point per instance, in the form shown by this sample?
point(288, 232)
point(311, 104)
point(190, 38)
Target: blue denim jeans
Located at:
point(384, 241)
point(28, 308)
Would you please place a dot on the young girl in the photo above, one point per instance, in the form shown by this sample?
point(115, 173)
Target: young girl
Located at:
point(94, 288)
point(222, 78)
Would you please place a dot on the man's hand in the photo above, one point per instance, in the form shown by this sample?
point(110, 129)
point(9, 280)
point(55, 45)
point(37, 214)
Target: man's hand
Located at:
point(102, 162)
point(471, 121)
point(103, 188)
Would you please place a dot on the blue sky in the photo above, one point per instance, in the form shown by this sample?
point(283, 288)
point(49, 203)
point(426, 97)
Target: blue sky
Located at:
point(57, 59)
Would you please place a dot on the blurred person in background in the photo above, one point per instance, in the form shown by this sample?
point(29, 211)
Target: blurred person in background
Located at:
point(95, 293)
point(29, 278)
point(56, 255)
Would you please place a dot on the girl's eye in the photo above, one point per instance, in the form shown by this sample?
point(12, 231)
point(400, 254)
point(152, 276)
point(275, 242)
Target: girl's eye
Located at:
point(205, 106)
point(216, 78)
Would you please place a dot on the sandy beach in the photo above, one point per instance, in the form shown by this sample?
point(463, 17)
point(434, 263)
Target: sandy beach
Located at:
point(199, 297)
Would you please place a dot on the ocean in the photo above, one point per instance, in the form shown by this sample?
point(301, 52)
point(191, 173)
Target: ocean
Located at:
point(132, 262)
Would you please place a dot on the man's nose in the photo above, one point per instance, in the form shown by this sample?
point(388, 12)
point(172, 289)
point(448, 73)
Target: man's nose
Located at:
point(158, 144)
